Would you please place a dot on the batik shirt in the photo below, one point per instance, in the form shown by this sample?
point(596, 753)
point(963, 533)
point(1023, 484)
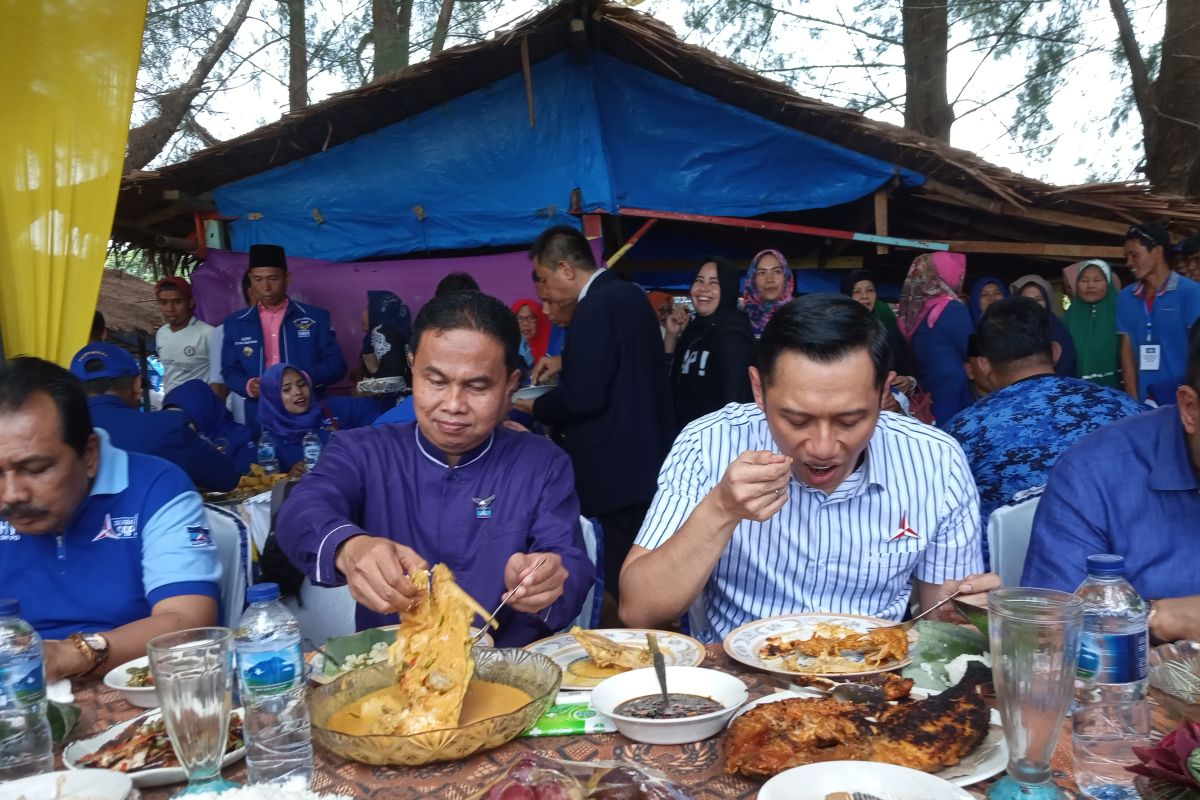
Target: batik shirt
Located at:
point(1013, 436)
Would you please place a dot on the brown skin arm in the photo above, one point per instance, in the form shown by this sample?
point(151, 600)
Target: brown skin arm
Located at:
point(220, 390)
point(1129, 369)
point(1176, 618)
point(129, 641)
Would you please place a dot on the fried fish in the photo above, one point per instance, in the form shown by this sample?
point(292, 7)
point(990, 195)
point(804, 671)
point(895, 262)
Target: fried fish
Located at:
point(607, 653)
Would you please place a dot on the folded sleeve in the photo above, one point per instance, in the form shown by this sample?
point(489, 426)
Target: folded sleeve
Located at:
point(179, 556)
point(683, 481)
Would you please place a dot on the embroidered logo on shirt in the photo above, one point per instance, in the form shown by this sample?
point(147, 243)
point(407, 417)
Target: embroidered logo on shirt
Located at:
point(905, 532)
point(304, 326)
point(247, 351)
point(199, 536)
point(189, 351)
point(7, 533)
point(483, 508)
point(118, 528)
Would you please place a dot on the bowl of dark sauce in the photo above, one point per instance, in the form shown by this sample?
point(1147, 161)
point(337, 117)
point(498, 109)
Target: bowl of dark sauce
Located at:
point(701, 702)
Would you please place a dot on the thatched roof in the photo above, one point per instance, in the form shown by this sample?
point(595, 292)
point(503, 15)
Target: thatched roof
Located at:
point(128, 303)
point(964, 198)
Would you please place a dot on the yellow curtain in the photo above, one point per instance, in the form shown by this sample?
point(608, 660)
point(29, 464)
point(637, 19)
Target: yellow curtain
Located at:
point(68, 69)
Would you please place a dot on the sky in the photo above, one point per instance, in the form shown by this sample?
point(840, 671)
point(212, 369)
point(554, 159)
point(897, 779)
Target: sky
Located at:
point(1084, 148)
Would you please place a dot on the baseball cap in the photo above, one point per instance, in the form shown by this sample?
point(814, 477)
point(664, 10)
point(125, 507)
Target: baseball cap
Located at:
point(1190, 245)
point(114, 362)
point(174, 283)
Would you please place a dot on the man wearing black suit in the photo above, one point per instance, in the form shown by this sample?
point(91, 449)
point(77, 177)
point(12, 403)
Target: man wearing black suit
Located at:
point(612, 409)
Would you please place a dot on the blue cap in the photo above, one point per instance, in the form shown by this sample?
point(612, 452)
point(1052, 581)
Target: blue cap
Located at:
point(262, 593)
point(107, 360)
point(10, 607)
point(1106, 564)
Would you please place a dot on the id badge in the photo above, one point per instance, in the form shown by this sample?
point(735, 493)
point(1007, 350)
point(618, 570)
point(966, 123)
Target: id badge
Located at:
point(1150, 355)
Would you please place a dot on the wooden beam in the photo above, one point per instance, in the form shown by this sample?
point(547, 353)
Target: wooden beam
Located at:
point(881, 218)
point(180, 203)
point(1035, 249)
point(936, 190)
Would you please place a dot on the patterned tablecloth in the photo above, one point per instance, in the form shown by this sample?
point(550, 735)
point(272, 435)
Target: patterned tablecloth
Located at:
point(699, 766)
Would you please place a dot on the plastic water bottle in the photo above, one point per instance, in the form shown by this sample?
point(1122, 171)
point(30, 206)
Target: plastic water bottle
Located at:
point(312, 450)
point(1111, 714)
point(267, 458)
point(271, 679)
point(25, 743)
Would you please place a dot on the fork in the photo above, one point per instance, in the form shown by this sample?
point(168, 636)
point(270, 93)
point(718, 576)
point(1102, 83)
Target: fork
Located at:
point(504, 601)
point(908, 623)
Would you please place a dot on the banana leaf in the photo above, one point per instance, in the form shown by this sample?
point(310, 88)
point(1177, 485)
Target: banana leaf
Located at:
point(63, 717)
point(937, 645)
point(342, 647)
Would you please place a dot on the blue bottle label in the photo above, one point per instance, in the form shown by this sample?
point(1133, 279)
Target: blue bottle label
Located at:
point(1113, 657)
point(271, 671)
point(22, 681)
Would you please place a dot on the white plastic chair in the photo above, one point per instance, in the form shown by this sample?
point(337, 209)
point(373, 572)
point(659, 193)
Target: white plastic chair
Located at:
point(589, 615)
point(327, 611)
point(233, 551)
point(1008, 532)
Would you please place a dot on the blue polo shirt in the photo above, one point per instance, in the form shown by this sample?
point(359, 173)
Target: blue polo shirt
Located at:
point(1175, 308)
point(138, 538)
point(1129, 488)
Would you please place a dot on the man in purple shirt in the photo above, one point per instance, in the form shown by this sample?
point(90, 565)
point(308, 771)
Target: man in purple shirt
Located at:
point(453, 487)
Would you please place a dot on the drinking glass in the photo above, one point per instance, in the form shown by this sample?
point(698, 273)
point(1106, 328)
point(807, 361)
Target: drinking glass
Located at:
point(193, 672)
point(1034, 641)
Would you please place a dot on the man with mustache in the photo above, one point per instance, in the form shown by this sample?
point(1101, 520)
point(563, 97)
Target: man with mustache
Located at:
point(104, 549)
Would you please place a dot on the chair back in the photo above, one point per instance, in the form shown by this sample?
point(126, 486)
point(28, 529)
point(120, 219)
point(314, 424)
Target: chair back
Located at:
point(1008, 532)
point(593, 540)
point(323, 611)
point(233, 550)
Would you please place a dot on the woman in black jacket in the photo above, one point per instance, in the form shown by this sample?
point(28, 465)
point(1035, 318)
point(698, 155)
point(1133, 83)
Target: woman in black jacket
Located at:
point(712, 353)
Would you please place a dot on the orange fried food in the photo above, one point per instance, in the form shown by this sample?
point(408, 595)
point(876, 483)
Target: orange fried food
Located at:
point(829, 643)
point(879, 646)
point(895, 687)
point(935, 733)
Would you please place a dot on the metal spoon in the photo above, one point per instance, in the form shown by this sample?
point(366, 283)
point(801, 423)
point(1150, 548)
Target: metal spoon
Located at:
point(846, 692)
point(660, 669)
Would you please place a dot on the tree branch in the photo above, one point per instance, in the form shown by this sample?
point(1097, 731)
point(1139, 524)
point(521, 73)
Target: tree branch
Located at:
point(1138, 74)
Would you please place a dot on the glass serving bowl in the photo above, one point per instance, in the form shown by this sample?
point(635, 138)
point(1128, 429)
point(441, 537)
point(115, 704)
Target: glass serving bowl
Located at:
point(1175, 669)
point(534, 674)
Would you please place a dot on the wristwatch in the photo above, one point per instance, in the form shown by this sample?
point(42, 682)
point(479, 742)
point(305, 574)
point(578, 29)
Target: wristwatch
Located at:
point(93, 646)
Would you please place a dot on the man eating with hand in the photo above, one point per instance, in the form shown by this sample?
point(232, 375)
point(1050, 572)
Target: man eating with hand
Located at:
point(810, 499)
point(496, 506)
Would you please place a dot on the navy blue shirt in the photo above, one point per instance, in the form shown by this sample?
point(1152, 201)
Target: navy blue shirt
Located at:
point(1013, 436)
point(941, 352)
point(1129, 488)
point(168, 435)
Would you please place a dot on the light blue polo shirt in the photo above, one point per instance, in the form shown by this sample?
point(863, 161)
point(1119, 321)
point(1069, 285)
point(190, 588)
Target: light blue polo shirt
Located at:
point(1176, 307)
point(139, 537)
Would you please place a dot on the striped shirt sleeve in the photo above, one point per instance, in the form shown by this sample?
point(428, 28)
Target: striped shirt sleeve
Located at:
point(683, 481)
point(955, 550)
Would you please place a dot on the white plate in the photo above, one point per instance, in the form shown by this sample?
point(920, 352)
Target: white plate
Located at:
point(532, 392)
point(743, 644)
point(146, 778)
point(678, 651)
point(988, 759)
point(885, 781)
point(94, 784)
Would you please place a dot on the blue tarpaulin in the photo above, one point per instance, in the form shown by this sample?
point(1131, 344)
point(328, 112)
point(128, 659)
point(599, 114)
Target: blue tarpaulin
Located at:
point(473, 173)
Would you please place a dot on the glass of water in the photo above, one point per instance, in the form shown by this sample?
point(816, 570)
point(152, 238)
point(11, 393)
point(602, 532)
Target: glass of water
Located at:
point(193, 672)
point(1034, 641)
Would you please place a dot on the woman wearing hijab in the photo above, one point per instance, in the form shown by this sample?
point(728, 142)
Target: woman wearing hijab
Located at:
point(1039, 289)
point(212, 421)
point(535, 330)
point(288, 409)
point(769, 285)
point(389, 328)
point(713, 353)
point(984, 292)
point(861, 285)
point(938, 326)
point(1092, 321)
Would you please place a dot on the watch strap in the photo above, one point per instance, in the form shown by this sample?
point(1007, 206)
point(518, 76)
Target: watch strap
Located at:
point(95, 657)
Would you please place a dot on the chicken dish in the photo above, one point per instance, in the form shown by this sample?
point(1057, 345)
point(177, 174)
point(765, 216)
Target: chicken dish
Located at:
point(825, 652)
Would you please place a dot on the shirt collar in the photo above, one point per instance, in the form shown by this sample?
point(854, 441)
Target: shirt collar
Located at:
point(279, 311)
point(583, 292)
point(435, 456)
point(107, 400)
point(1169, 285)
point(1173, 469)
point(112, 474)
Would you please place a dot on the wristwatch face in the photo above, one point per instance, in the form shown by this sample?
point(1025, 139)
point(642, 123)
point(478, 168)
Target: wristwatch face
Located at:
point(96, 641)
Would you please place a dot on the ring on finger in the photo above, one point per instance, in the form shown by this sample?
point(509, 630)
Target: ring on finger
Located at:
point(778, 492)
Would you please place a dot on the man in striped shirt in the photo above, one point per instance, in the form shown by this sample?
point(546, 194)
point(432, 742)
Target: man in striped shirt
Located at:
point(810, 499)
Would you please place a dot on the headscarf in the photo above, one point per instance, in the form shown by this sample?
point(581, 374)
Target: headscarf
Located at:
point(933, 282)
point(200, 404)
point(1071, 276)
point(1093, 326)
point(541, 338)
point(386, 308)
point(760, 310)
point(882, 311)
point(1048, 292)
point(977, 288)
point(273, 417)
point(728, 279)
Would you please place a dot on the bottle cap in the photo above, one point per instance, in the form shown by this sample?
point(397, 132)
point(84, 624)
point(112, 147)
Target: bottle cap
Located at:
point(1106, 564)
point(9, 607)
point(262, 593)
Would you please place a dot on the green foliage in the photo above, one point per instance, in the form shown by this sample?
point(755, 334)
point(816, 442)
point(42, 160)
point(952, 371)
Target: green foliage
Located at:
point(62, 717)
point(938, 644)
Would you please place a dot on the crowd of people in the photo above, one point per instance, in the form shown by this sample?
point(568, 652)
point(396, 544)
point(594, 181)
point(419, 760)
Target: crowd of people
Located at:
point(739, 453)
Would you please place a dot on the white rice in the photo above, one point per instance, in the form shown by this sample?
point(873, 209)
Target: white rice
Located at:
point(293, 789)
point(957, 667)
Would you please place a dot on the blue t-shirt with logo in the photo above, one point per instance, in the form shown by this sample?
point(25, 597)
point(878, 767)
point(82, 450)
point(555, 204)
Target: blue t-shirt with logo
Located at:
point(1166, 324)
point(139, 537)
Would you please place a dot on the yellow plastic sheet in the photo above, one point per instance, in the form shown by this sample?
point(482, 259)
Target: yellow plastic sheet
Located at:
point(68, 70)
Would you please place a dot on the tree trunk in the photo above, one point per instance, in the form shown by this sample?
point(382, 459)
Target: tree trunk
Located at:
point(1139, 75)
point(391, 22)
point(442, 28)
point(1173, 141)
point(297, 56)
point(147, 140)
point(926, 34)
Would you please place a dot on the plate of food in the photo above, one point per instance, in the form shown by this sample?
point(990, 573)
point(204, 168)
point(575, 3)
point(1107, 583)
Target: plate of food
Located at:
point(382, 386)
point(952, 734)
point(532, 392)
point(362, 649)
point(254, 482)
point(141, 749)
point(589, 657)
point(828, 645)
